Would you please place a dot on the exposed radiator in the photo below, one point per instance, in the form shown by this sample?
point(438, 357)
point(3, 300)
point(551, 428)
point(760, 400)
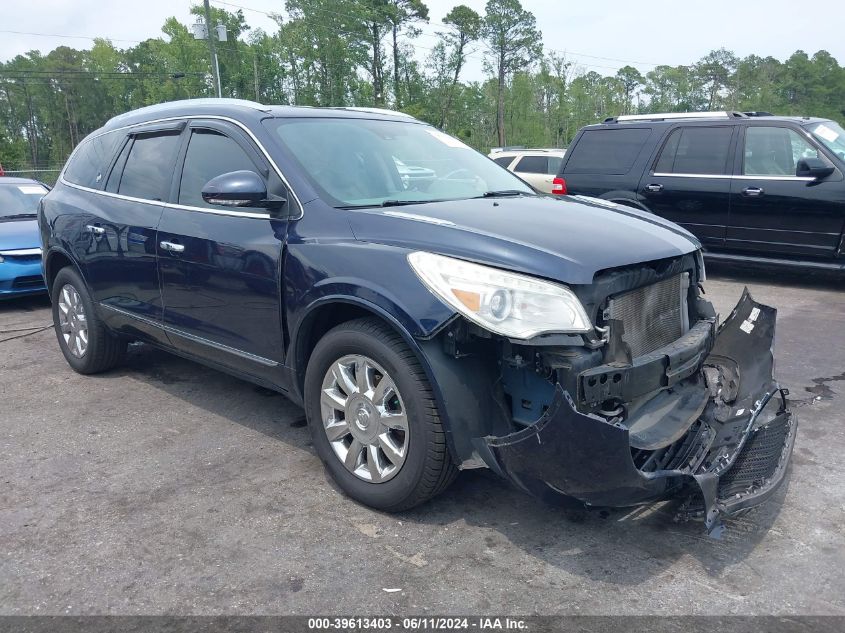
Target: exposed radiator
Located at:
point(654, 315)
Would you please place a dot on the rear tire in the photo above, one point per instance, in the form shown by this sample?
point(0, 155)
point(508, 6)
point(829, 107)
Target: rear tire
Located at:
point(385, 465)
point(87, 344)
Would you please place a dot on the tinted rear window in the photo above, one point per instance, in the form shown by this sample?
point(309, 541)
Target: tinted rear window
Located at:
point(607, 151)
point(532, 165)
point(149, 166)
point(696, 150)
point(91, 160)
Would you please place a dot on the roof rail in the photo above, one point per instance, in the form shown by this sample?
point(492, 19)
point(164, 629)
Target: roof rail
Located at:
point(665, 116)
point(373, 111)
point(192, 102)
point(507, 148)
point(758, 113)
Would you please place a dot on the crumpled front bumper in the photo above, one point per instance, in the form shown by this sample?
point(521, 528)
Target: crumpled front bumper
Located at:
point(734, 453)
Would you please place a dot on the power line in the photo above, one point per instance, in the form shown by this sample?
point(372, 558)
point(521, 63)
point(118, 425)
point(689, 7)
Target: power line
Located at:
point(108, 73)
point(65, 36)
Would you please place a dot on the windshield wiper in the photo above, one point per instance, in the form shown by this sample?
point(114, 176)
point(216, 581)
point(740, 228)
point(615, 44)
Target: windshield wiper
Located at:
point(18, 216)
point(387, 203)
point(402, 203)
point(505, 193)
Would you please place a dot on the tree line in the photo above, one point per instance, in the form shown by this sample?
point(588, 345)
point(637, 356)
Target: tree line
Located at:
point(372, 53)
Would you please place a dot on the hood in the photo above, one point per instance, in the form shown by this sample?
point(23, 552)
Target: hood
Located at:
point(16, 234)
point(565, 239)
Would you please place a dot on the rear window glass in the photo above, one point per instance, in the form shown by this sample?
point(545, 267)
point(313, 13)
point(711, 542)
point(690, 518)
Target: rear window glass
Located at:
point(608, 151)
point(91, 160)
point(696, 150)
point(149, 166)
point(533, 165)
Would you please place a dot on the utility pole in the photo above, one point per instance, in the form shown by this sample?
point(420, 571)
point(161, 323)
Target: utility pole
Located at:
point(215, 68)
point(255, 74)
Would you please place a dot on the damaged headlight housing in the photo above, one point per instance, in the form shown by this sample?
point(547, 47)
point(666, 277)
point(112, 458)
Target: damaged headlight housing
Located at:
point(512, 305)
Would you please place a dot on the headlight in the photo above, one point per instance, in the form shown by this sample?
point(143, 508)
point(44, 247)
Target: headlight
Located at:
point(513, 305)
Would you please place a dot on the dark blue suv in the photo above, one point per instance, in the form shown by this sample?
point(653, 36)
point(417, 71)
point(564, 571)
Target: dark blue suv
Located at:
point(427, 325)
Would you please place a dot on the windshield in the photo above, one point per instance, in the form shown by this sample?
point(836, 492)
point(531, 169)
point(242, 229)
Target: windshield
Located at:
point(19, 201)
point(365, 163)
point(831, 135)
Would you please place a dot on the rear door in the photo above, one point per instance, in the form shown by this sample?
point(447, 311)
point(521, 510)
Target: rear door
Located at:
point(689, 181)
point(538, 170)
point(219, 266)
point(120, 257)
point(776, 212)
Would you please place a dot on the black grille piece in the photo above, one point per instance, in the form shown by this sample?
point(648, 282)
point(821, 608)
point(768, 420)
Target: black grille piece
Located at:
point(30, 281)
point(654, 315)
point(758, 460)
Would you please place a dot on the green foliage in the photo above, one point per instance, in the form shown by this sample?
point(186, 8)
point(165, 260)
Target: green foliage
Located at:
point(513, 43)
point(362, 52)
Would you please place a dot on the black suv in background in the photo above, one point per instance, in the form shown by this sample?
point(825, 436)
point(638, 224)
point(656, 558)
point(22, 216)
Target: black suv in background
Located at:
point(749, 186)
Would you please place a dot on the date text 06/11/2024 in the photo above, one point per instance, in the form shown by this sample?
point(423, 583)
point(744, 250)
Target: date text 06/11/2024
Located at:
point(417, 623)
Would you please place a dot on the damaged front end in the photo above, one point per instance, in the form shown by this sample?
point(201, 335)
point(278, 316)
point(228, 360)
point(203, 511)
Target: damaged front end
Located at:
point(656, 399)
point(702, 412)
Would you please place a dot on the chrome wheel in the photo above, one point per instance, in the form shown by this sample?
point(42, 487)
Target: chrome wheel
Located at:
point(72, 321)
point(364, 418)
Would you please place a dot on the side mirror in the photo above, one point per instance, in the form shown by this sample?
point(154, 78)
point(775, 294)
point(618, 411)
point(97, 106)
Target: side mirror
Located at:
point(239, 189)
point(813, 168)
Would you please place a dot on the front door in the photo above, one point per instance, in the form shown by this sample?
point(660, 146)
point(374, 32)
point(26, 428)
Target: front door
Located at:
point(220, 266)
point(773, 211)
point(690, 181)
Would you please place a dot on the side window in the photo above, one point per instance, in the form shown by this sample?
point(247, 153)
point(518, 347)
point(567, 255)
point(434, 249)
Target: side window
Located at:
point(774, 151)
point(210, 154)
point(532, 165)
point(696, 150)
point(504, 161)
point(149, 166)
point(554, 165)
point(607, 151)
point(91, 160)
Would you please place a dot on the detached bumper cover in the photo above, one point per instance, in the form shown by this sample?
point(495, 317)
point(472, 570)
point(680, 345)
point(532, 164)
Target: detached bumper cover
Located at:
point(735, 453)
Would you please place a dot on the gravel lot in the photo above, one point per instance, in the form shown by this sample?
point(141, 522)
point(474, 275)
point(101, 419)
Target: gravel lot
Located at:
point(165, 487)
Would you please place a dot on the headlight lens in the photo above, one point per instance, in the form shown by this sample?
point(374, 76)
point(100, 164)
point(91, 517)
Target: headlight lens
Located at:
point(510, 304)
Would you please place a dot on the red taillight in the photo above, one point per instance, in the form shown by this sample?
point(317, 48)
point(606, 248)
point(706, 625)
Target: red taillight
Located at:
point(559, 187)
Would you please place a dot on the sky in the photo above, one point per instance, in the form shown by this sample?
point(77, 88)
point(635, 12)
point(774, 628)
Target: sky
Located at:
point(642, 34)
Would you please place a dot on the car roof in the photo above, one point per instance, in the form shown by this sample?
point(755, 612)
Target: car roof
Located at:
point(702, 118)
point(13, 180)
point(243, 109)
point(527, 152)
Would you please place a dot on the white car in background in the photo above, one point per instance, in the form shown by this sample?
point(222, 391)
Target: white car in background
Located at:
point(538, 167)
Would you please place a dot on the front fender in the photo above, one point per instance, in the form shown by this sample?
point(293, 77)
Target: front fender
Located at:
point(373, 275)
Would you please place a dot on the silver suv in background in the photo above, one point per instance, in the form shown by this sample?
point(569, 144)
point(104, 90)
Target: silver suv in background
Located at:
point(538, 167)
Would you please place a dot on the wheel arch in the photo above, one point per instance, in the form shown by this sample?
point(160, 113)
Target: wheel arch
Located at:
point(626, 198)
point(330, 311)
point(54, 261)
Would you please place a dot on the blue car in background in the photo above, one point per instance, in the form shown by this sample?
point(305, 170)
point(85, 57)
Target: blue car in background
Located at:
point(20, 245)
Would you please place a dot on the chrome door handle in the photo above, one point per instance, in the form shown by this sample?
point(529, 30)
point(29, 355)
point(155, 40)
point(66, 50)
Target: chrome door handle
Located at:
point(753, 192)
point(96, 230)
point(172, 247)
point(654, 188)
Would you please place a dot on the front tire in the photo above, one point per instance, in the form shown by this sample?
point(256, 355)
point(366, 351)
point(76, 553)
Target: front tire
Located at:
point(88, 346)
point(373, 417)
